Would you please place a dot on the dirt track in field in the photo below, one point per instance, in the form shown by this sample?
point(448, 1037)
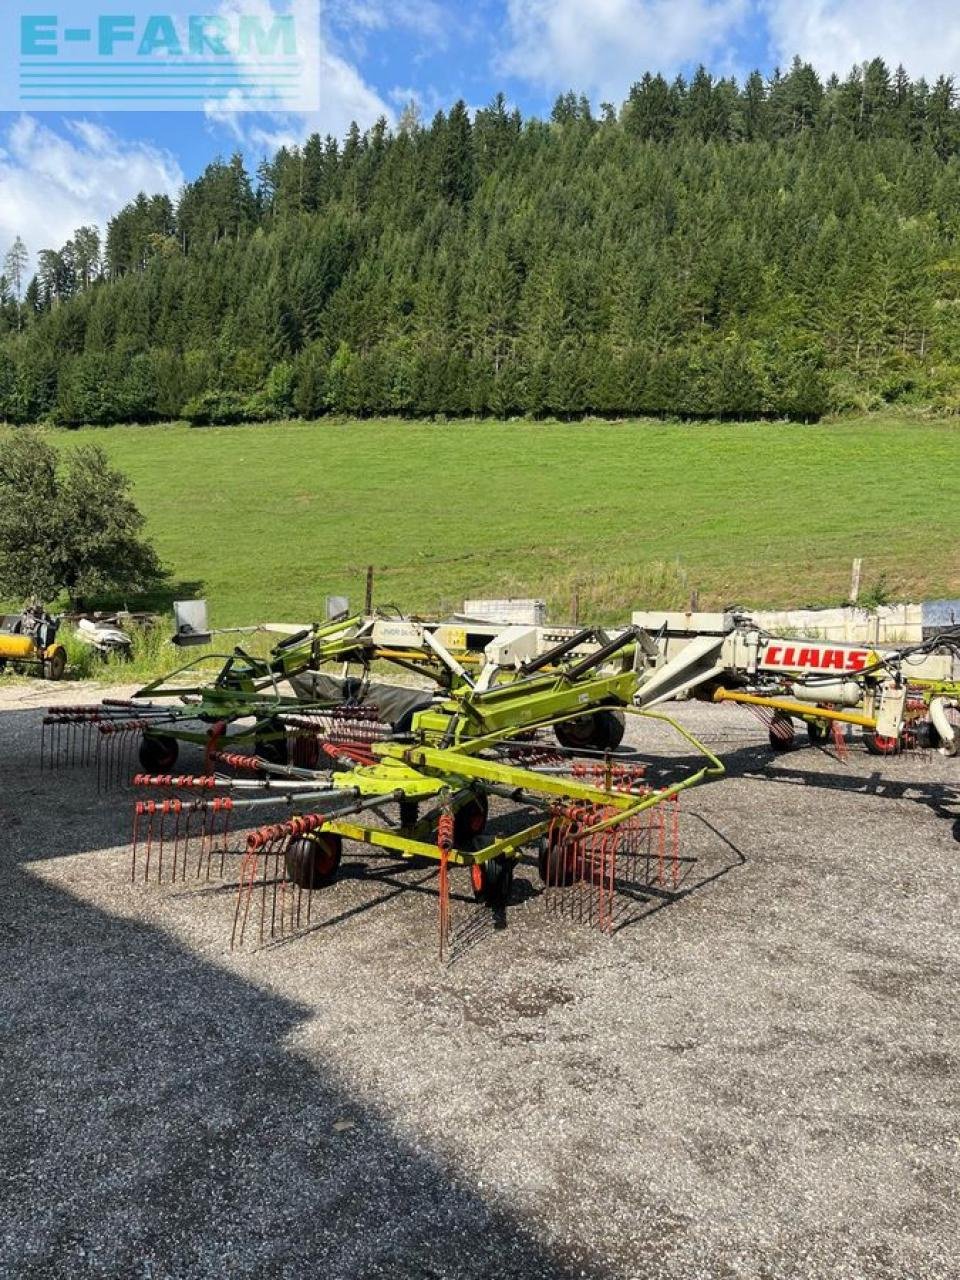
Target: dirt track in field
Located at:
point(757, 1078)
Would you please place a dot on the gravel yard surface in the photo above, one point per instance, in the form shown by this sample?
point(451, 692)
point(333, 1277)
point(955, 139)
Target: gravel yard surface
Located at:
point(760, 1078)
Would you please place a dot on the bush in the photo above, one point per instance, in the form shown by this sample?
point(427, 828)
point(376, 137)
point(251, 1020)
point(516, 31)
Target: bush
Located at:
point(68, 526)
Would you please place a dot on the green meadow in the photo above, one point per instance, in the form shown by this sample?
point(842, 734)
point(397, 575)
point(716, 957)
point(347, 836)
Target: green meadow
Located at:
point(265, 521)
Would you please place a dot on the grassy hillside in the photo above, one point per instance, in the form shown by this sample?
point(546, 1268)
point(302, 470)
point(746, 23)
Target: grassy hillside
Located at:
point(267, 520)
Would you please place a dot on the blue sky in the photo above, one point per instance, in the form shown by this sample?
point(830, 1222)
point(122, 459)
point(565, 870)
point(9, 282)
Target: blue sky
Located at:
point(58, 171)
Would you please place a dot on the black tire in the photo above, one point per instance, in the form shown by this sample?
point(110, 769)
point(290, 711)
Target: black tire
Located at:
point(492, 881)
point(611, 726)
point(552, 863)
point(817, 732)
point(877, 745)
point(783, 736)
point(470, 821)
point(314, 863)
point(600, 730)
point(158, 752)
point(577, 734)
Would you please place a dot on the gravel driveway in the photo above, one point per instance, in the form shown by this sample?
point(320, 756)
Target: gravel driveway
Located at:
point(760, 1078)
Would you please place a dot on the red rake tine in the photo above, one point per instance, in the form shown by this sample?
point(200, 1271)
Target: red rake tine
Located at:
point(445, 832)
point(160, 813)
point(676, 842)
point(175, 809)
point(149, 809)
point(195, 809)
point(587, 867)
point(211, 815)
point(263, 902)
point(248, 874)
point(586, 879)
point(552, 838)
point(226, 808)
point(137, 812)
point(611, 853)
point(207, 818)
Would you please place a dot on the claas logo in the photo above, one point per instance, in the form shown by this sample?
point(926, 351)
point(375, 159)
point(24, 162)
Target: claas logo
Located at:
point(792, 657)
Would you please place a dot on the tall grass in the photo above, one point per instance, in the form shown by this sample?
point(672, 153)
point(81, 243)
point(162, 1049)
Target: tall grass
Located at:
point(152, 655)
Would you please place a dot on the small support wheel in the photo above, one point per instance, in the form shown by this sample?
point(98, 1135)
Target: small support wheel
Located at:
point(783, 735)
point(158, 752)
point(555, 863)
point(313, 862)
point(492, 881)
point(575, 734)
point(878, 745)
point(469, 821)
point(600, 730)
point(611, 726)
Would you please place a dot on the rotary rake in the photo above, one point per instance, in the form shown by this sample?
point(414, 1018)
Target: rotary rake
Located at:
point(599, 830)
point(900, 699)
point(531, 718)
point(242, 704)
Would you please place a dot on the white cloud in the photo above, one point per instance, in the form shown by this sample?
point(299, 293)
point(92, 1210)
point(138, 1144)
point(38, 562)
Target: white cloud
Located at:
point(428, 17)
point(836, 34)
point(344, 97)
point(340, 94)
point(603, 46)
point(51, 183)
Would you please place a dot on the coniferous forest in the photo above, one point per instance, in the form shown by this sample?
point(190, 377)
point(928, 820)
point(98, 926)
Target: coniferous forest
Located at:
point(785, 246)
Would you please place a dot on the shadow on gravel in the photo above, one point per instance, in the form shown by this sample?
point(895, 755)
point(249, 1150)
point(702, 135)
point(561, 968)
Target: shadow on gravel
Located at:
point(942, 798)
point(757, 762)
point(158, 1122)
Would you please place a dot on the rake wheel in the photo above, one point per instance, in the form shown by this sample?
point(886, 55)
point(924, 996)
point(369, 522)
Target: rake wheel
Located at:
point(555, 862)
point(491, 881)
point(313, 863)
point(158, 752)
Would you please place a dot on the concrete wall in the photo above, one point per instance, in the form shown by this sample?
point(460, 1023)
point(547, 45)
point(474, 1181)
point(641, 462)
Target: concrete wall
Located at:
point(888, 624)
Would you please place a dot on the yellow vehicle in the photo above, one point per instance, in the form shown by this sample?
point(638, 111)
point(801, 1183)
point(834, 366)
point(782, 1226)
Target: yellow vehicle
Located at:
point(29, 639)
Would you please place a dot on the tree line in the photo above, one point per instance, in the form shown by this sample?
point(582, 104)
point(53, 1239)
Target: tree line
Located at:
point(784, 247)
